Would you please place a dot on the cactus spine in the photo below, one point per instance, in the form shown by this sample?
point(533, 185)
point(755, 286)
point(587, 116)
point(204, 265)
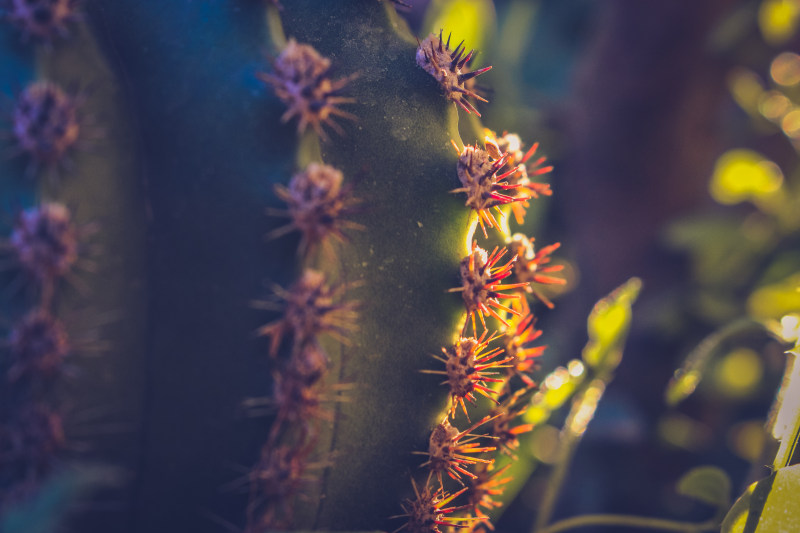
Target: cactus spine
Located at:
point(194, 156)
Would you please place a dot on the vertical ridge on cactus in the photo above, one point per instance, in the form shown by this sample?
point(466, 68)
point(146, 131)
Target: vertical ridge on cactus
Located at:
point(311, 310)
point(517, 338)
point(532, 266)
point(511, 144)
point(481, 491)
point(398, 159)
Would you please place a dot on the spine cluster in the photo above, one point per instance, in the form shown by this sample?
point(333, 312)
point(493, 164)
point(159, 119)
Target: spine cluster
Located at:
point(41, 20)
point(44, 249)
point(487, 370)
point(317, 204)
point(496, 350)
point(301, 78)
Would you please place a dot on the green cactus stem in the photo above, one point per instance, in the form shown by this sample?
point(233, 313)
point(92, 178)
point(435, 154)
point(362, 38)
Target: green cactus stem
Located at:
point(194, 145)
point(398, 158)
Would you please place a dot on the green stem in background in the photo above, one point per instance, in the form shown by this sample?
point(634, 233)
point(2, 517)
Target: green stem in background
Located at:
point(607, 326)
point(618, 520)
point(694, 366)
point(575, 426)
point(567, 449)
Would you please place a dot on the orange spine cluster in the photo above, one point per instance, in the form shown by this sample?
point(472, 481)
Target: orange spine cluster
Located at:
point(494, 178)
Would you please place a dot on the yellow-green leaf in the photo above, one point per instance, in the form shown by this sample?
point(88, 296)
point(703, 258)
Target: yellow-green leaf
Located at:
point(707, 484)
point(741, 175)
point(736, 519)
point(608, 326)
point(767, 506)
point(781, 512)
point(775, 300)
point(472, 21)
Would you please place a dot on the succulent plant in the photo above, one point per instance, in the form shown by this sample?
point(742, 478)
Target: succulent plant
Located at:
point(271, 201)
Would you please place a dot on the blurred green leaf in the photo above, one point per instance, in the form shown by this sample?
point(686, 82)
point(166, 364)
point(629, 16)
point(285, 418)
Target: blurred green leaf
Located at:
point(781, 512)
point(767, 506)
point(732, 29)
point(472, 21)
point(747, 90)
point(707, 484)
point(742, 175)
point(608, 326)
point(775, 300)
point(724, 252)
point(736, 519)
point(778, 20)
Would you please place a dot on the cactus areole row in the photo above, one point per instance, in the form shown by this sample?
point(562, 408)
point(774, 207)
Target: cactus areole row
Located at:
point(319, 316)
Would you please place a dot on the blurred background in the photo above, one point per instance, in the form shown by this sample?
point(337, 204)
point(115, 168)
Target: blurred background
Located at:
point(674, 129)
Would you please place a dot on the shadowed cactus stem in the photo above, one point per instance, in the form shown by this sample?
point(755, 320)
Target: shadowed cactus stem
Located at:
point(344, 138)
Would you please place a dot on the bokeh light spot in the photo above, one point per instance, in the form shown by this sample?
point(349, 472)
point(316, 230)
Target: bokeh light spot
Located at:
point(785, 69)
point(741, 175)
point(738, 374)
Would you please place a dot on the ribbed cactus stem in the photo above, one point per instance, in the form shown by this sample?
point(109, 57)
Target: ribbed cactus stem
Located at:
point(398, 158)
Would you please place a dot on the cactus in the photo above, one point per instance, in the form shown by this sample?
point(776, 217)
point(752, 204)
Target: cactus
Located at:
point(201, 133)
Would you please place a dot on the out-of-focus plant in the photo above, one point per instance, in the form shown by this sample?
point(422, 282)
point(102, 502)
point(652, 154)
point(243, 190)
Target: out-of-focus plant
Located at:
point(747, 269)
point(375, 421)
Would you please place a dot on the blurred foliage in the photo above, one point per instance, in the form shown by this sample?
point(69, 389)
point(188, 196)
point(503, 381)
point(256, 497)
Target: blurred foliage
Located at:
point(749, 267)
point(471, 21)
point(744, 175)
point(554, 391)
point(778, 20)
point(697, 362)
point(575, 384)
point(746, 267)
point(707, 484)
point(738, 373)
point(608, 327)
point(769, 505)
point(745, 256)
